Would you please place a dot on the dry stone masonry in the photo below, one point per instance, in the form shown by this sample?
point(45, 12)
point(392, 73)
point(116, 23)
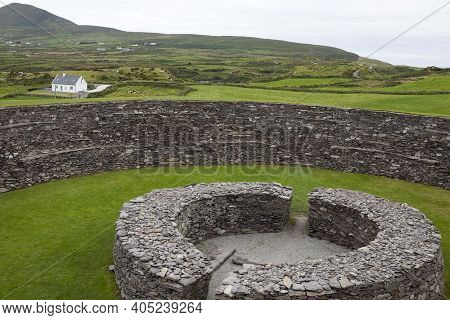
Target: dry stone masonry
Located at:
point(397, 255)
point(155, 256)
point(38, 144)
point(397, 251)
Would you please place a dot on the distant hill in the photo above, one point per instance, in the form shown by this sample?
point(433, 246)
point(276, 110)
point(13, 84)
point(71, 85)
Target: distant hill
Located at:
point(26, 22)
point(16, 15)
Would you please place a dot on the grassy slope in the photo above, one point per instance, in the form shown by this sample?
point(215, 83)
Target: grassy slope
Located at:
point(430, 104)
point(301, 82)
point(133, 91)
point(432, 84)
point(68, 258)
point(11, 89)
point(436, 83)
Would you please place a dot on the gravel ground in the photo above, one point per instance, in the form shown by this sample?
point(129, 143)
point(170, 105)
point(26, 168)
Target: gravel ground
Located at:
point(290, 246)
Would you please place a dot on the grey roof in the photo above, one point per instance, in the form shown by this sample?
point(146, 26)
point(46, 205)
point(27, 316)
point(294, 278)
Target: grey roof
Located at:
point(67, 79)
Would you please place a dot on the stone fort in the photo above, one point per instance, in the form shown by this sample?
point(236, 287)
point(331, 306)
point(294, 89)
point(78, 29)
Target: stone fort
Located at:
point(43, 143)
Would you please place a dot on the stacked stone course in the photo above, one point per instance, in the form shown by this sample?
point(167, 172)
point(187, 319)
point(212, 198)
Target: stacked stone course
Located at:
point(42, 143)
point(397, 251)
point(397, 255)
point(155, 254)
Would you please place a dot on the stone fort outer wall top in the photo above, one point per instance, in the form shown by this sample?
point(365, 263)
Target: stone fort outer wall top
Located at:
point(42, 143)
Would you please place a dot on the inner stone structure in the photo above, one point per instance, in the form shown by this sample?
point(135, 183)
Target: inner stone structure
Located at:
point(155, 256)
point(396, 250)
point(42, 143)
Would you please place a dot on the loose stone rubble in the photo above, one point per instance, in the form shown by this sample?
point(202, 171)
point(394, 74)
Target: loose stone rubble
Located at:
point(397, 252)
point(155, 256)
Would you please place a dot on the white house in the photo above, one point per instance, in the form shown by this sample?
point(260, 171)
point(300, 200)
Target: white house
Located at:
point(69, 83)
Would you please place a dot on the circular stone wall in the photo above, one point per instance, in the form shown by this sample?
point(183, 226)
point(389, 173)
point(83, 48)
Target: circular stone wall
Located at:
point(155, 256)
point(397, 252)
point(42, 143)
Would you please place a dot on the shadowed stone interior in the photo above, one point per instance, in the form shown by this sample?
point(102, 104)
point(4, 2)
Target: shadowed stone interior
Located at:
point(291, 246)
point(397, 252)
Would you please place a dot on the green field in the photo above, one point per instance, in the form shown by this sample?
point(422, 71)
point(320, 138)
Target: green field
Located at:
point(50, 94)
point(161, 66)
point(335, 70)
point(419, 86)
point(137, 91)
point(418, 104)
point(301, 82)
point(421, 104)
point(438, 83)
point(57, 237)
point(222, 73)
point(6, 90)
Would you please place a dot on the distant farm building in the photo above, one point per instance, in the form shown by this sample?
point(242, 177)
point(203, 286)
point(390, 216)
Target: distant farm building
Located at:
point(69, 84)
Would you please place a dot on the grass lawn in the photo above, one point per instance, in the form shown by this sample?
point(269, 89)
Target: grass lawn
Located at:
point(25, 100)
point(51, 94)
point(429, 105)
point(57, 237)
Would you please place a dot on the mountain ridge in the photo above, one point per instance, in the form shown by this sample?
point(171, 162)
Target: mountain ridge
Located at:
point(26, 22)
point(24, 15)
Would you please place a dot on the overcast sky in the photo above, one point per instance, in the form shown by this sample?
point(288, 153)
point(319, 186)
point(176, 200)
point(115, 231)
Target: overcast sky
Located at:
point(358, 26)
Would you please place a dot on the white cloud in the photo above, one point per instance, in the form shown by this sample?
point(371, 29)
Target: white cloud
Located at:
point(358, 26)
